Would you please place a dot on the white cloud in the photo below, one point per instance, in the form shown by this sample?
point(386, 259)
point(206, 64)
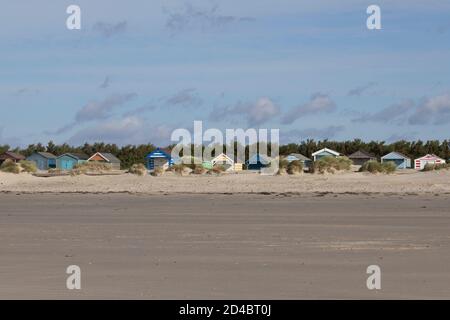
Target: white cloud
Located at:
point(318, 103)
point(102, 109)
point(256, 113)
point(435, 110)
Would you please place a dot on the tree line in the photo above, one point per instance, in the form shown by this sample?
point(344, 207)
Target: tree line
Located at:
point(131, 154)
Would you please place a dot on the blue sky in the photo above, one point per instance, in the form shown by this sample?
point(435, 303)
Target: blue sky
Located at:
point(138, 70)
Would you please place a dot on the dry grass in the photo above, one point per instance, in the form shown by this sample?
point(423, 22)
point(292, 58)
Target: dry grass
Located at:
point(431, 166)
point(374, 166)
point(199, 169)
point(91, 167)
point(10, 166)
point(331, 164)
point(138, 169)
point(295, 167)
point(28, 166)
point(158, 171)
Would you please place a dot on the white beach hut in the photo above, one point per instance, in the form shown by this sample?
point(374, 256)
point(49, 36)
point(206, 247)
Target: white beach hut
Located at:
point(420, 163)
point(224, 160)
point(325, 152)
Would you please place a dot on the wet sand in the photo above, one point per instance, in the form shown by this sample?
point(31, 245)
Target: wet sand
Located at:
point(224, 246)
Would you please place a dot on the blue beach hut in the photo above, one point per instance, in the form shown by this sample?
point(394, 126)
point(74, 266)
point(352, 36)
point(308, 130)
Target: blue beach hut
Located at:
point(43, 160)
point(257, 162)
point(159, 158)
point(400, 160)
point(68, 160)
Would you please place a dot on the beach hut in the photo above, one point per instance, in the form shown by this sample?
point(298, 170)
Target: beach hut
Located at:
point(67, 161)
point(299, 157)
point(223, 160)
point(400, 160)
point(258, 161)
point(325, 152)
point(106, 158)
point(360, 157)
point(12, 156)
point(43, 160)
point(420, 163)
point(159, 158)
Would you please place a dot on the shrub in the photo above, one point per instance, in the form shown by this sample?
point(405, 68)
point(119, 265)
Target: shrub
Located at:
point(219, 168)
point(283, 164)
point(28, 166)
point(432, 166)
point(10, 166)
point(429, 167)
point(295, 167)
point(158, 171)
point(442, 166)
point(199, 169)
point(374, 166)
point(138, 169)
point(389, 167)
point(83, 168)
point(331, 164)
point(216, 170)
point(177, 168)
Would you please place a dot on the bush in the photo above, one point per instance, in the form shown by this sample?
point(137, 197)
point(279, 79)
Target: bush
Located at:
point(432, 166)
point(429, 167)
point(389, 167)
point(442, 166)
point(177, 168)
point(93, 166)
point(283, 164)
point(28, 166)
point(295, 167)
point(199, 169)
point(158, 171)
point(83, 168)
point(10, 166)
point(331, 164)
point(138, 168)
point(219, 168)
point(374, 166)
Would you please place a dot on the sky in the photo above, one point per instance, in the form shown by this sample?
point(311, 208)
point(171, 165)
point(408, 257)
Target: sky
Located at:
point(137, 70)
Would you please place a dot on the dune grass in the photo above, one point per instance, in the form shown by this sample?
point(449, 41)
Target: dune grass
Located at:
point(10, 166)
point(28, 166)
point(331, 164)
point(138, 169)
point(295, 167)
point(374, 166)
point(432, 167)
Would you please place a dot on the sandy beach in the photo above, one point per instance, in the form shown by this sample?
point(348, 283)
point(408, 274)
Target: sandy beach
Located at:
point(224, 246)
point(407, 181)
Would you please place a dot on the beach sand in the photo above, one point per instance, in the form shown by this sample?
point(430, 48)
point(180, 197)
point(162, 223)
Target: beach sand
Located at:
point(407, 181)
point(266, 246)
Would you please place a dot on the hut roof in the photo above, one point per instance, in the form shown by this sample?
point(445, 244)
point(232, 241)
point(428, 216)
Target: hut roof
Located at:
point(395, 155)
point(109, 157)
point(299, 156)
point(224, 157)
point(11, 155)
point(78, 156)
point(160, 153)
point(430, 157)
point(47, 155)
point(326, 150)
point(361, 154)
